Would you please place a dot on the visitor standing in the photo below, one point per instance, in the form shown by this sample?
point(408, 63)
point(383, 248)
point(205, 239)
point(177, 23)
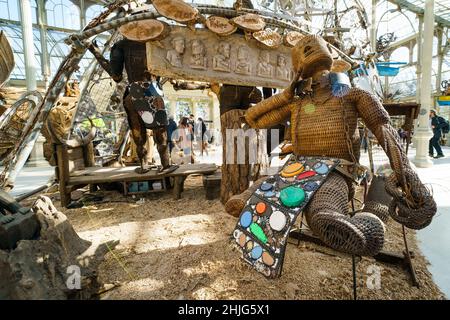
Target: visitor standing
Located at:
point(185, 135)
point(201, 136)
point(171, 127)
point(437, 123)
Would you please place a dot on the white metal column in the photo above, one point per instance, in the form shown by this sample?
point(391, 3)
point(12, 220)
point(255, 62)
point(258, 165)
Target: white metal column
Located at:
point(419, 58)
point(423, 132)
point(28, 45)
point(373, 27)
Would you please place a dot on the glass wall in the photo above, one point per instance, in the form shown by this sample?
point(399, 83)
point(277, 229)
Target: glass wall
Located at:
point(60, 18)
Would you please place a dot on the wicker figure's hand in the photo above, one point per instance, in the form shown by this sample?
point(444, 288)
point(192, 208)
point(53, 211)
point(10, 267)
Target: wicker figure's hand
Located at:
point(412, 205)
point(290, 91)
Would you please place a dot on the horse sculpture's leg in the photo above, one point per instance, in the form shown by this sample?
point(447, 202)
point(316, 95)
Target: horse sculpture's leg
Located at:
point(327, 216)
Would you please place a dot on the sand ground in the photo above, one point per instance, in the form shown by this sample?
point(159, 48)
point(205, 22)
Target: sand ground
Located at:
point(181, 249)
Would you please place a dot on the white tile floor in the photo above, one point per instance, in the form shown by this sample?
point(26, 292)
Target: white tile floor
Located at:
point(434, 240)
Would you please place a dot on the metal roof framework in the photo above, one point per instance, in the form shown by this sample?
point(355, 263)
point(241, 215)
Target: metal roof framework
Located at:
point(441, 9)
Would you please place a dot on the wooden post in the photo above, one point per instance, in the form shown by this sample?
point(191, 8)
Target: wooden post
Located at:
point(178, 186)
point(63, 173)
point(235, 177)
point(89, 161)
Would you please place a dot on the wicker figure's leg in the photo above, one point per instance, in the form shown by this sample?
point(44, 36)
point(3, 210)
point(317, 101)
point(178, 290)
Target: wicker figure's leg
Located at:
point(326, 214)
point(237, 202)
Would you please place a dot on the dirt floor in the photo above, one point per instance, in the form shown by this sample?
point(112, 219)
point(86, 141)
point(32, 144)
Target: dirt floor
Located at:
point(181, 249)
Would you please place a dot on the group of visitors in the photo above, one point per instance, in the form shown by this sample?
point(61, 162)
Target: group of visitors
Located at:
point(183, 135)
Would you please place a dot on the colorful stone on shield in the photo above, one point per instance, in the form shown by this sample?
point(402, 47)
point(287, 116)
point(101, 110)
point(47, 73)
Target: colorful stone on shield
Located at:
point(267, 259)
point(256, 252)
point(306, 174)
point(310, 186)
point(321, 168)
point(246, 219)
point(269, 194)
point(261, 208)
point(258, 232)
point(292, 170)
point(242, 240)
point(292, 196)
point(277, 220)
point(266, 187)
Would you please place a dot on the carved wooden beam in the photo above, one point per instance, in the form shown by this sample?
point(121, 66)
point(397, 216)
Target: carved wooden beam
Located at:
point(206, 57)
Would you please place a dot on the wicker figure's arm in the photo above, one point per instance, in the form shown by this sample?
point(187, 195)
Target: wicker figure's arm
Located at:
point(412, 204)
point(273, 110)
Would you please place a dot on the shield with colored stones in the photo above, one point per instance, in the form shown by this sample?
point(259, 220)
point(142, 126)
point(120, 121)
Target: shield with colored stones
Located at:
point(265, 222)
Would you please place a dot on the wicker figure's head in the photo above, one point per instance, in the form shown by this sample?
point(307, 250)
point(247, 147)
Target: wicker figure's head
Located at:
point(311, 54)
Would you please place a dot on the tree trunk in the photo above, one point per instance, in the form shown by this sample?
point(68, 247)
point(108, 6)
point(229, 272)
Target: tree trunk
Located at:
point(237, 176)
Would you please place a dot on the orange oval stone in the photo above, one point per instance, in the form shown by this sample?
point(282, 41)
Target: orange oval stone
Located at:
point(242, 240)
point(267, 259)
point(261, 207)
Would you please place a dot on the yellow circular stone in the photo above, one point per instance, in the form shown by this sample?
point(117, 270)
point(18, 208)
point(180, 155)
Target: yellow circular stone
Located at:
point(292, 170)
point(309, 108)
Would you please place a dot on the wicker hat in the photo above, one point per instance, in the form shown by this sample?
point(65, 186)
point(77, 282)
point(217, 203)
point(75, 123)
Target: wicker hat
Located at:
point(311, 54)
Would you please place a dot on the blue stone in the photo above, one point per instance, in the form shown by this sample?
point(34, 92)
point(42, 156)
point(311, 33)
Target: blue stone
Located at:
point(266, 187)
point(321, 168)
point(246, 219)
point(269, 194)
point(310, 186)
point(256, 252)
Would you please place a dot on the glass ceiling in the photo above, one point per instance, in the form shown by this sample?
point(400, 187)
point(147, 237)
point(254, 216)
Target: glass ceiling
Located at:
point(441, 8)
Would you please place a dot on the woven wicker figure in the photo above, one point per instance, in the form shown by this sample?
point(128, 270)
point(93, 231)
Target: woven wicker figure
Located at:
point(325, 124)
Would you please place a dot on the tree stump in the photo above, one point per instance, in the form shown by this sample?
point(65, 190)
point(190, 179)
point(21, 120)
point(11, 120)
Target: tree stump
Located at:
point(56, 265)
point(236, 175)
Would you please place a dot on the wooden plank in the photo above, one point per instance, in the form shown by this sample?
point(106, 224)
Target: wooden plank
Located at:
point(201, 55)
point(98, 175)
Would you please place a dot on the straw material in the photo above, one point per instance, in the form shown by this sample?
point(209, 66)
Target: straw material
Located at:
point(311, 54)
point(340, 66)
point(235, 204)
point(327, 216)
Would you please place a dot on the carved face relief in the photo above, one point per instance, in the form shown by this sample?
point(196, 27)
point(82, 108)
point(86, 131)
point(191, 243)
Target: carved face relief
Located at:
point(243, 64)
point(221, 61)
point(311, 54)
point(281, 61)
point(174, 55)
point(226, 48)
point(282, 71)
point(198, 60)
point(265, 69)
point(178, 44)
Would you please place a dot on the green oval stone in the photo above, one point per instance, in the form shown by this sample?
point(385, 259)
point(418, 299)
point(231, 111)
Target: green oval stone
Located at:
point(292, 196)
point(258, 232)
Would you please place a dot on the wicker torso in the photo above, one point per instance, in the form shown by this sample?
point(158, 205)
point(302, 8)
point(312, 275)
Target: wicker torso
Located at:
point(318, 129)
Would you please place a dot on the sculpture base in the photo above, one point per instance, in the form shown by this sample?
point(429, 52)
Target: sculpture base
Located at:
point(422, 140)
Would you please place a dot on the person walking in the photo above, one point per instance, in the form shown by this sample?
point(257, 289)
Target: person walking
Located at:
point(201, 136)
point(185, 135)
point(437, 123)
point(171, 127)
